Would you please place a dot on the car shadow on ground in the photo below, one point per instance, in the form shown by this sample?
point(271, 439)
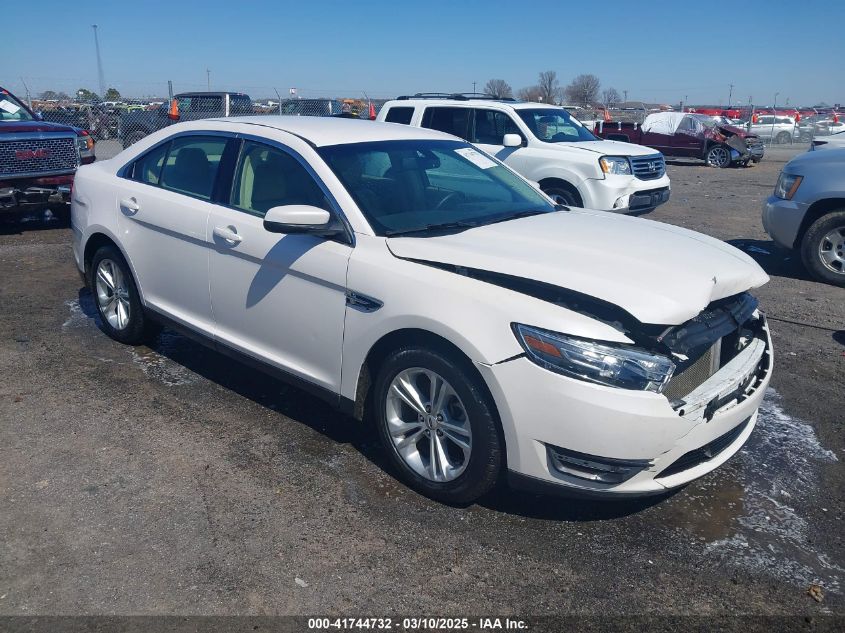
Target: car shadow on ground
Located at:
point(304, 408)
point(775, 260)
point(18, 223)
point(839, 337)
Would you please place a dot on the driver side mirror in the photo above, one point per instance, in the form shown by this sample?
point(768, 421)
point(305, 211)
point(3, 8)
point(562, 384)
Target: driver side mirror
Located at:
point(512, 140)
point(300, 218)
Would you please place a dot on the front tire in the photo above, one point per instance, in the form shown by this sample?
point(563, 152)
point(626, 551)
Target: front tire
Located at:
point(562, 195)
point(823, 248)
point(437, 425)
point(783, 138)
point(116, 297)
point(718, 156)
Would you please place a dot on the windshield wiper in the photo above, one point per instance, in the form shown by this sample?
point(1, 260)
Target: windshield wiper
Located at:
point(526, 214)
point(433, 228)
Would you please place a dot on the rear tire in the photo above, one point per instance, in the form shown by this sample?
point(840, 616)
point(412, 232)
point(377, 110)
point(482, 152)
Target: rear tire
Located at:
point(455, 423)
point(132, 138)
point(783, 138)
point(823, 248)
point(117, 299)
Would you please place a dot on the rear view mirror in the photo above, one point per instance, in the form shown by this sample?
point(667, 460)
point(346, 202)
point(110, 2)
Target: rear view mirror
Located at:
point(512, 140)
point(298, 218)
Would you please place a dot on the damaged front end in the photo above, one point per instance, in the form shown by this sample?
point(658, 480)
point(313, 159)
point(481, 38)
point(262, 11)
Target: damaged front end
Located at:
point(744, 147)
point(721, 356)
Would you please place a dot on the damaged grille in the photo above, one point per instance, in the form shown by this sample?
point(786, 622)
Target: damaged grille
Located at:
point(694, 374)
point(648, 167)
point(38, 156)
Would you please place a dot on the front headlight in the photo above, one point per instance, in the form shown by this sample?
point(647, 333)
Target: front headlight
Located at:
point(603, 363)
point(615, 165)
point(85, 144)
point(787, 185)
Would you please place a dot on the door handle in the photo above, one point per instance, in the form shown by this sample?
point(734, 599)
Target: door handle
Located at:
point(129, 206)
point(227, 233)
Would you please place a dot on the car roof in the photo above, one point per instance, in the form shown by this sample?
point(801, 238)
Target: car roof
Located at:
point(516, 105)
point(323, 131)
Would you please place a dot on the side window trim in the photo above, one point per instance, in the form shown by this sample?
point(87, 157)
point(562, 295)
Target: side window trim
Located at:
point(336, 210)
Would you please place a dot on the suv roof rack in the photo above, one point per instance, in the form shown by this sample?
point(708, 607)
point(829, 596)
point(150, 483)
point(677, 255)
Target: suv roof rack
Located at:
point(455, 96)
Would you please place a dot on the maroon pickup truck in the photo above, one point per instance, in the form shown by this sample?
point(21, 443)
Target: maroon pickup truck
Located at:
point(688, 135)
point(37, 159)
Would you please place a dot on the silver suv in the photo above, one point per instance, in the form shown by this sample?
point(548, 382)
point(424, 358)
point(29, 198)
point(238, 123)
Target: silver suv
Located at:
point(807, 212)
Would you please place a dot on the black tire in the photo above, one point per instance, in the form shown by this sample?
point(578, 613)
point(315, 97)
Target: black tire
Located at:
point(718, 156)
point(563, 195)
point(139, 328)
point(783, 138)
point(132, 138)
point(487, 457)
point(815, 239)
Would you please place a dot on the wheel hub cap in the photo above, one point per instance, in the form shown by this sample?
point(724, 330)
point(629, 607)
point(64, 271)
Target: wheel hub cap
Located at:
point(832, 250)
point(112, 294)
point(428, 424)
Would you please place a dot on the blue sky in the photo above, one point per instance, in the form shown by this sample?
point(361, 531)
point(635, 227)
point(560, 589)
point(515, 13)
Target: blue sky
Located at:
point(657, 51)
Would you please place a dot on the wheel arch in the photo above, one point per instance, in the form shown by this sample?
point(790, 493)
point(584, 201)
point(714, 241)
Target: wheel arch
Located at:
point(98, 238)
point(565, 184)
point(378, 352)
point(817, 210)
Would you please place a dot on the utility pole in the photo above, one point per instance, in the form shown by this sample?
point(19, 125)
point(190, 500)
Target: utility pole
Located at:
point(774, 113)
point(625, 92)
point(473, 87)
point(28, 96)
point(100, 76)
point(730, 95)
point(208, 79)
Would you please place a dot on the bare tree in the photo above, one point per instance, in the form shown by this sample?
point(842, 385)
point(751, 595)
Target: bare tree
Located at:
point(610, 97)
point(584, 89)
point(499, 88)
point(531, 93)
point(549, 86)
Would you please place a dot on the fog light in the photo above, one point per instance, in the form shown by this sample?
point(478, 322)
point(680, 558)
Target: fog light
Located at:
point(606, 470)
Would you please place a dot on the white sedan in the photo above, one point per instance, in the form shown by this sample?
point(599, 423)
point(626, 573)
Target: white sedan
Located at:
point(402, 274)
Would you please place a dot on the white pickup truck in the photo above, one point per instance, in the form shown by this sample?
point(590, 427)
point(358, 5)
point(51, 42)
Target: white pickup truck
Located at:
point(545, 144)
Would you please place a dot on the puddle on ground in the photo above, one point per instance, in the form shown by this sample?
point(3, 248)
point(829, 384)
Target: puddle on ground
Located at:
point(157, 364)
point(752, 514)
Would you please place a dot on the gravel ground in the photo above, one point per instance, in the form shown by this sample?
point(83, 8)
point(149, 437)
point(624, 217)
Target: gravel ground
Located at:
point(167, 480)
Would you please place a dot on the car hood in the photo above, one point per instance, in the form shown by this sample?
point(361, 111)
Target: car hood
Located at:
point(606, 148)
point(660, 274)
point(23, 127)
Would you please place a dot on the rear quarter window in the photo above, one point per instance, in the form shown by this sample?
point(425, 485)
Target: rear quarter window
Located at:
point(401, 114)
point(450, 120)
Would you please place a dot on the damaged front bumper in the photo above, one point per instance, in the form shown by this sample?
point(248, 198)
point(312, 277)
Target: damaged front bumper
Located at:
point(581, 438)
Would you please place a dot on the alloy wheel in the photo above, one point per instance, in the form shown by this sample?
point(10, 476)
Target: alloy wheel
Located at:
point(112, 294)
point(718, 157)
point(832, 250)
point(428, 424)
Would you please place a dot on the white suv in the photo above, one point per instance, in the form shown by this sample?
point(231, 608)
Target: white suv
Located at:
point(545, 144)
point(403, 272)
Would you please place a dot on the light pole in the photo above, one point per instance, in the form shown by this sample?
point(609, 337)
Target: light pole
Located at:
point(730, 95)
point(774, 115)
point(208, 79)
point(100, 75)
point(625, 92)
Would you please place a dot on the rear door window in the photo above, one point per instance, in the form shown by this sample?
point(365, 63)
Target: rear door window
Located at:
point(450, 120)
point(400, 114)
point(191, 165)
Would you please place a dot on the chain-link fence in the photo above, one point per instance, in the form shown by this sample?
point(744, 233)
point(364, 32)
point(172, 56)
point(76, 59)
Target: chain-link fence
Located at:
point(118, 123)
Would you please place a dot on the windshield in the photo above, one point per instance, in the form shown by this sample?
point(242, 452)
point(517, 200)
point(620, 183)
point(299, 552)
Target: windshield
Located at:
point(11, 109)
point(421, 186)
point(555, 125)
